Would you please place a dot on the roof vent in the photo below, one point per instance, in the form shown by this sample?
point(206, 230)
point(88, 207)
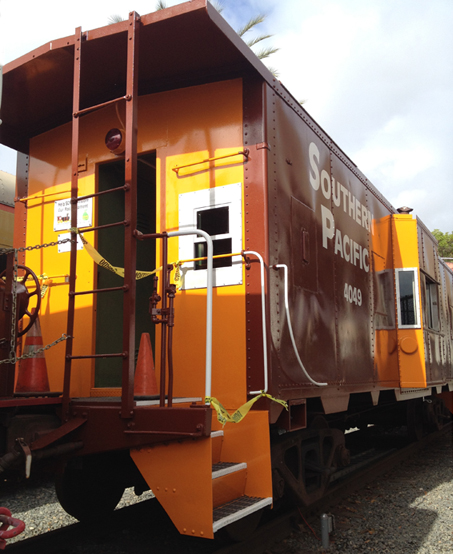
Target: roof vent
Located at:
point(405, 210)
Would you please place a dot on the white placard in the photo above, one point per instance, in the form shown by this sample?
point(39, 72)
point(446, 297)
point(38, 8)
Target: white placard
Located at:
point(62, 214)
point(66, 247)
point(190, 203)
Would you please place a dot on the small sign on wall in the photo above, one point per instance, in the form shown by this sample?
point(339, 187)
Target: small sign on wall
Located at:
point(62, 214)
point(66, 246)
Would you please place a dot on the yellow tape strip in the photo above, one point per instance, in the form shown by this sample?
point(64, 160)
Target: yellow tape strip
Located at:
point(102, 262)
point(177, 277)
point(224, 417)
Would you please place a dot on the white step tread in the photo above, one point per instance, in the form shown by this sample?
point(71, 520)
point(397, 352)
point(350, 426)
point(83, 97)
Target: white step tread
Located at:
point(237, 509)
point(224, 468)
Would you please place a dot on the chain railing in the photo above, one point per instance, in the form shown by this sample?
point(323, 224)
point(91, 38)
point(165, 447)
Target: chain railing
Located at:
point(12, 355)
point(35, 352)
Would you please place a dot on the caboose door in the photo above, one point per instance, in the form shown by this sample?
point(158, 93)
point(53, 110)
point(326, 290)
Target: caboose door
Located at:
point(110, 244)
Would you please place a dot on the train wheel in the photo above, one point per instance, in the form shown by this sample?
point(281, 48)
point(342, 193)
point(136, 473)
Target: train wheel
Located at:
point(306, 459)
point(437, 414)
point(84, 494)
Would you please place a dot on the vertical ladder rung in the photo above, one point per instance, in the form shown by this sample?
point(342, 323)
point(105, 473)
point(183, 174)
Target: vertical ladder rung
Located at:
point(99, 106)
point(125, 223)
point(100, 193)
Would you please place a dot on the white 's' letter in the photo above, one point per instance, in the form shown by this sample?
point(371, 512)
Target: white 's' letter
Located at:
point(313, 153)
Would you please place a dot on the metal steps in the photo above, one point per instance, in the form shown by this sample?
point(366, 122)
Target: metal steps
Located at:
point(224, 468)
point(237, 509)
point(226, 474)
point(228, 486)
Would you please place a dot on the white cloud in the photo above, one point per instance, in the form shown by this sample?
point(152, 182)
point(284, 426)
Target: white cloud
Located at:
point(377, 77)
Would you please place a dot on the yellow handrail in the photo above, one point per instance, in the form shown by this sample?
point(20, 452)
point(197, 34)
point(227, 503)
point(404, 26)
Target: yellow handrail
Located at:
point(179, 262)
point(244, 153)
point(36, 196)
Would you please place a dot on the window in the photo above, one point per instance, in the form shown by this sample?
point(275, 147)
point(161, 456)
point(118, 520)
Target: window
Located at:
point(218, 212)
point(431, 304)
point(408, 298)
point(215, 222)
point(384, 310)
point(451, 321)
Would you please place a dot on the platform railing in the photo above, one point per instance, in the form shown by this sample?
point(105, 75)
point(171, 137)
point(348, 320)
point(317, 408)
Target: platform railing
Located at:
point(164, 287)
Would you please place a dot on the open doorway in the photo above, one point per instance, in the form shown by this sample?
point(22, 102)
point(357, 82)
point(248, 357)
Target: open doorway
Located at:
point(110, 244)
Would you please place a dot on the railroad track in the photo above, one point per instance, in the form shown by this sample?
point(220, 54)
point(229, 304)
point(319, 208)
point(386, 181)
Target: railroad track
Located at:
point(135, 527)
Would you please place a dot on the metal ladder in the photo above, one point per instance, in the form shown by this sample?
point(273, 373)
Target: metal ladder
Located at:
point(129, 223)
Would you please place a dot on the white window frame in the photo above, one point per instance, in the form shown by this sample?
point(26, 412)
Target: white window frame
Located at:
point(189, 204)
point(417, 324)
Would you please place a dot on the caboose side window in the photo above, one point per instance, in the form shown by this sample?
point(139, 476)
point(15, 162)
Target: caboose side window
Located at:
point(432, 304)
point(215, 222)
point(407, 298)
point(384, 311)
point(218, 212)
point(451, 321)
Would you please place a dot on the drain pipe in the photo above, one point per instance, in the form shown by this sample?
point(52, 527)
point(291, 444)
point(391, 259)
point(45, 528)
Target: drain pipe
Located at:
point(290, 328)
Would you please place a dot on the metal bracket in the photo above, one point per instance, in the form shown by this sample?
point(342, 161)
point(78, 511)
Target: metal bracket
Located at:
point(23, 447)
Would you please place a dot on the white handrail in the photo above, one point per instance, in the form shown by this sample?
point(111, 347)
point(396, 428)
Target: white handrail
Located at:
point(290, 328)
point(263, 321)
point(208, 370)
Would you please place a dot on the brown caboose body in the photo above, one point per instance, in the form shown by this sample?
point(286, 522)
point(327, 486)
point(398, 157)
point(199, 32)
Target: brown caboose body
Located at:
point(319, 293)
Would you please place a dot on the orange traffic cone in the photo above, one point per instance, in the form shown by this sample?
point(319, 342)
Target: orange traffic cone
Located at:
point(145, 378)
point(32, 377)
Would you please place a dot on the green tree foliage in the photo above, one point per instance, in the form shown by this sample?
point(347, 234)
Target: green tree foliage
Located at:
point(445, 241)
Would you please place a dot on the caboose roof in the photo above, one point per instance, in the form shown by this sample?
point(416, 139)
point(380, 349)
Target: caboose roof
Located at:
point(183, 45)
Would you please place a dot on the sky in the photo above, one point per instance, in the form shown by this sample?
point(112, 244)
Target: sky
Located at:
point(377, 76)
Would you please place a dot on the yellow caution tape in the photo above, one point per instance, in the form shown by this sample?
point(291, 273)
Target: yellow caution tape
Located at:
point(224, 417)
point(177, 277)
point(102, 262)
point(45, 284)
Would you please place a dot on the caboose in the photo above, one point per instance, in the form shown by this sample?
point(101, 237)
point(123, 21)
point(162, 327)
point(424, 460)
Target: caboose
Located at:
point(180, 216)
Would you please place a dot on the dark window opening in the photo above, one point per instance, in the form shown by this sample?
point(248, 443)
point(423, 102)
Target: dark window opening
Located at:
point(407, 298)
point(432, 304)
point(384, 311)
point(220, 246)
point(451, 321)
point(214, 221)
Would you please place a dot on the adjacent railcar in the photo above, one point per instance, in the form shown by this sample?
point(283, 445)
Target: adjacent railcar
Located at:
point(7, 190)
point(177, 207)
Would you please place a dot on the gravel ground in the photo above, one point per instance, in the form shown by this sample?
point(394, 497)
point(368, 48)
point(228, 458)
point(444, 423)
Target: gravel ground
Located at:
point(409, 510)
point(36, 504)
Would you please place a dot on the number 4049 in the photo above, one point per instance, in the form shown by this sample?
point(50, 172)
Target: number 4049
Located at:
point(353, 295)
